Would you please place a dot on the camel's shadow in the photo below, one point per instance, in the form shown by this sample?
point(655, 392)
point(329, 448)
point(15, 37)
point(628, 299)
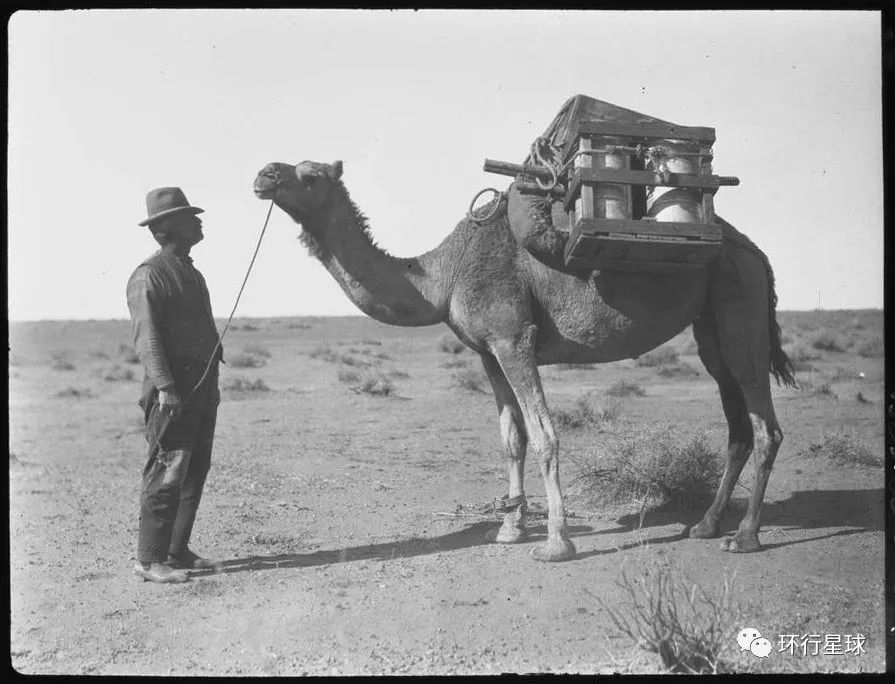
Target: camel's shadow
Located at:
point(468, 537)
point(860, 510)
point(856, 510)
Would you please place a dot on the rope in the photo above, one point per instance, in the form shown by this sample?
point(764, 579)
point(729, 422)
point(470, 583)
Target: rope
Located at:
point(167, 422)
point(479, 219)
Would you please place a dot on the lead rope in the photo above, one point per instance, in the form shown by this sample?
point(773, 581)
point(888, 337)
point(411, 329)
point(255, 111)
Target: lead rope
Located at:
point(167, 420)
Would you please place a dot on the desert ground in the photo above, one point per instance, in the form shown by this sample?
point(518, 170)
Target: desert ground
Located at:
point(354, 467)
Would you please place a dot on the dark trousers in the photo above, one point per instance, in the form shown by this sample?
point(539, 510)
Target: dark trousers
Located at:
point(175, 472)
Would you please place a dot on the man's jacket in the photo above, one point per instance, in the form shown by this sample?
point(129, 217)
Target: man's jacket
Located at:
point(171, 320)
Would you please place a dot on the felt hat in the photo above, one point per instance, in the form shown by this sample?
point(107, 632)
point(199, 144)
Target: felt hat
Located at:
point(164, 202)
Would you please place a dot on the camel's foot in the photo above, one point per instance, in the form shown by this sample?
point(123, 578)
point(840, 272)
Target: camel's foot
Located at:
point(507, 534)
point(554, 549)
point(705, 530)
point(741, 542)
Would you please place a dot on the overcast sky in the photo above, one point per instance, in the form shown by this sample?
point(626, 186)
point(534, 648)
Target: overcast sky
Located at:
point(105, 105)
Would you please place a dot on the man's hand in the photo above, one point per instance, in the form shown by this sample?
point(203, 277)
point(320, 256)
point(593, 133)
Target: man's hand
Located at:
point(170, 404)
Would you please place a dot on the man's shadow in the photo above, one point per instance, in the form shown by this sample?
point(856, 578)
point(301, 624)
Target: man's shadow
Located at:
point(468, 537)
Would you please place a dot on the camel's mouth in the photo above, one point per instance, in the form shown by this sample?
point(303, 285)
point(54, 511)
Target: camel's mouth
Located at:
point(265, 187)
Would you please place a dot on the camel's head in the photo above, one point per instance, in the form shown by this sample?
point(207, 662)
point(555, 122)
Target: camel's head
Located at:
point(303, 190)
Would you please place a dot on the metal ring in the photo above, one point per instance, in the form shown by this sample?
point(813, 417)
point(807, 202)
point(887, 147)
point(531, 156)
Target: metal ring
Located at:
point(482, 219)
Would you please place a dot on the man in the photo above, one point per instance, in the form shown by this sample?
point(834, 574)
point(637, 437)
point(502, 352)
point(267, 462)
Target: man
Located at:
point(177, 342)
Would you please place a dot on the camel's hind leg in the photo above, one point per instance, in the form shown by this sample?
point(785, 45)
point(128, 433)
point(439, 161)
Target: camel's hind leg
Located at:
point(734, 343)
point(739, 442)
point(515, 443)
point(517, 361)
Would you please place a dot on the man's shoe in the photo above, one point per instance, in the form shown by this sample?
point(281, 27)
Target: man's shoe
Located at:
point(161, 573)
point(188, 560)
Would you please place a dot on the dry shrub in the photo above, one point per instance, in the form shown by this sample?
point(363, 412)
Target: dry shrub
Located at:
point(803, 367)
point(798, 353)
point(654, 465)
point(663, 356)
point(239, 384)
point(366, 382)
point(678, 620)
point(450, 344)
point(623, 388)
point(678, 370)
point(118, 374)
point(73, 393)
point(861, 399)
point(872, 349)
point(827, 341)
point(584, 414)
point(469, 379)
point(453, 363)
point(243, 360)
point(324, 354)
point(298, 326)
point(258, 350)
point(844, 449)
point(60, 363)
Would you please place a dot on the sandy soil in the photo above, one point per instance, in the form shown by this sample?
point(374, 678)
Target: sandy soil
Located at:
point(352, 527)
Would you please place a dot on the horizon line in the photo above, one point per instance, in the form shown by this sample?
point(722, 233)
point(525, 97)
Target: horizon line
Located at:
point(357, 315)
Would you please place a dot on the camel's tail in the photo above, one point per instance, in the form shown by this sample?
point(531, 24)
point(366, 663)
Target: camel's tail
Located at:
point(781, 366)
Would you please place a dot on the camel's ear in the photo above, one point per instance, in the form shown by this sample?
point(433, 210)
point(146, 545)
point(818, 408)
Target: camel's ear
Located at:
point(335, 170)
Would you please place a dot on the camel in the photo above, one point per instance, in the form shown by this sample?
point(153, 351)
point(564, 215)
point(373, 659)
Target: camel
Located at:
point(518, 313)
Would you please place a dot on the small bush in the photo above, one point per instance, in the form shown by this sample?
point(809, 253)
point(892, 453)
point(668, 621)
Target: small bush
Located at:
point(72, 393)
point(398, 374)
point(324, 354)
point(862, 399)
point(257, 350)
point(798, 353)
point(298, 326)
point(663, 356)
point(844, 449)
point(248, 327)
point(118, 374)
point(98, 354)
point(450, 344)
point(803, 367)
point(654, 465)
point(623, 388)
point(688, 629)
point(872, 349)
point(827, 341)
point(240, 360)
point(60, 363)
point(469, 379)
point(453, 363)
point(678, 370)
point(366, 382)
point(238, 384)
point(584, 414)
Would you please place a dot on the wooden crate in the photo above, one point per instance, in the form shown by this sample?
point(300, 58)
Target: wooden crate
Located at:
point(610, 229)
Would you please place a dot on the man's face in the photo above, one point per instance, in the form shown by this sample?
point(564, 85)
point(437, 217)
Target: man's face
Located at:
point(185, 229)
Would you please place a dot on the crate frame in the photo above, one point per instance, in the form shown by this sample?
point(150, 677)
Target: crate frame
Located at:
point(638, 244)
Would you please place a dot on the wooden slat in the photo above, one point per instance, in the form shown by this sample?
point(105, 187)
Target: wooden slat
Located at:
point(645, 130)
point(607, 253)
point(584, 204)
point(695, 231)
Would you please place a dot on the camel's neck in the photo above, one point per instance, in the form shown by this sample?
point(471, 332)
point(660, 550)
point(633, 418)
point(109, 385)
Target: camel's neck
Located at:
point(407, 292)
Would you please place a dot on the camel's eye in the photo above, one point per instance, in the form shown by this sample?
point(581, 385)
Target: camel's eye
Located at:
point(308, 180)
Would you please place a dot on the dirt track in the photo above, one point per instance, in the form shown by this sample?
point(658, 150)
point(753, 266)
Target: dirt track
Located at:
point(351, 524)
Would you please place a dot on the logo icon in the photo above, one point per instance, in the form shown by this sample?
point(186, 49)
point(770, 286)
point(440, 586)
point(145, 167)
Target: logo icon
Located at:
point(750, 639)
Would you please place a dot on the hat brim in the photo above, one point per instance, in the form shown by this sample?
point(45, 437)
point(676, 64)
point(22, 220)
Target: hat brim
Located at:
point(170, 212)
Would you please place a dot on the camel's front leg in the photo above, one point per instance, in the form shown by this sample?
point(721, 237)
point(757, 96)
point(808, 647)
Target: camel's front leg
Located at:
point(517, 360)
point(515, 443)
